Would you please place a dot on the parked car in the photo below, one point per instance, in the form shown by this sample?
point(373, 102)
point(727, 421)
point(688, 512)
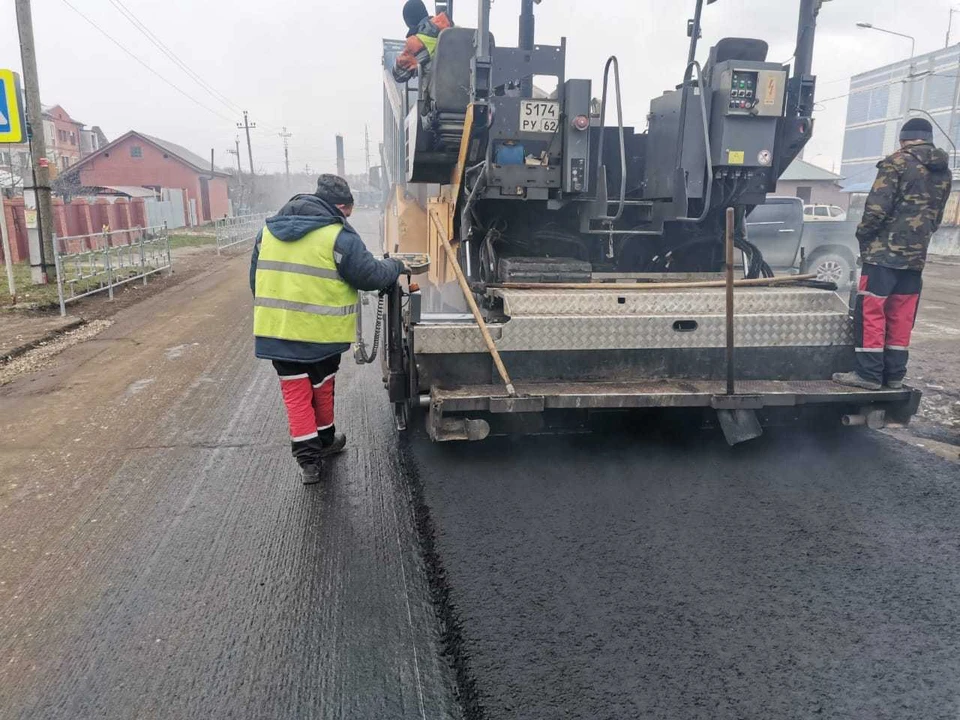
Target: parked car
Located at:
point(789, 244)
point(824, 213)
point(777, 229)
point(831, 250)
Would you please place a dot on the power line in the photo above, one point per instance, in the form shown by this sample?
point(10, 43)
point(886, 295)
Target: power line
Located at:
point(122, 47)
point(172, 55)
point(903, 80)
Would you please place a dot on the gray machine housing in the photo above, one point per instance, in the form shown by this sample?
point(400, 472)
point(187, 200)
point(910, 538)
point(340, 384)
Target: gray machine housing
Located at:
point(744, 102)
point(745, 136)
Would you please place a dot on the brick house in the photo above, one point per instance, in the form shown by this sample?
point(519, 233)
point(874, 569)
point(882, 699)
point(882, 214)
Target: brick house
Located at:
point(67, 141)
point(63, 137)
point(136, 159)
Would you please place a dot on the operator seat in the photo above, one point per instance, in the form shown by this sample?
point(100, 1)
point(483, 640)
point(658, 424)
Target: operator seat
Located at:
point(447, 85)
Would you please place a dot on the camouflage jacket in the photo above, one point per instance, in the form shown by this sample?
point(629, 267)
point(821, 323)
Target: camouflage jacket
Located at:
point(905, 207)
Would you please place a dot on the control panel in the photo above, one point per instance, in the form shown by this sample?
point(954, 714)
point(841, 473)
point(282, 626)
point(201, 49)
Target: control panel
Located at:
point(578, 174)
point(576, 136)
point(760, 93)
point(743, 93)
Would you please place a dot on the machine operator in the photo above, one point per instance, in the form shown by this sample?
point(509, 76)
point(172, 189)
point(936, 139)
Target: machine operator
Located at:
point(422, 33)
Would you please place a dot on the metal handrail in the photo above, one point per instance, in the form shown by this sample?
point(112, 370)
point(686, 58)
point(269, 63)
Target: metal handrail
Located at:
point(612, 60)
point(708, 195)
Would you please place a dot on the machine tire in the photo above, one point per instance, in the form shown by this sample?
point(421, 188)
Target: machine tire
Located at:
point(832, 267)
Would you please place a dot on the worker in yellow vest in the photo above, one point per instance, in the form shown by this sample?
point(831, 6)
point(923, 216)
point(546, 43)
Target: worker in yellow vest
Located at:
point(307, 265)
point(421, 44)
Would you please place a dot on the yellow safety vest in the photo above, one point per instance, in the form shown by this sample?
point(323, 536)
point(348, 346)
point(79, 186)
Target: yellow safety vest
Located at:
point(429, 42)
point(299, 293)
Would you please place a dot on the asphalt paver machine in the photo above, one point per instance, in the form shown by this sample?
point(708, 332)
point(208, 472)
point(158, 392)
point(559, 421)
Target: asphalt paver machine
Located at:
point(580, 265)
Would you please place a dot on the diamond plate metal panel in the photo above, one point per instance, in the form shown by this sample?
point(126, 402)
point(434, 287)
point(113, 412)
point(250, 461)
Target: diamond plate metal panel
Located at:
point(550, 333)
point(707, 301)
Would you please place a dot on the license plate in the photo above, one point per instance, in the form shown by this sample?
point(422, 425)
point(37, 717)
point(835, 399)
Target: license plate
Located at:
point(539, 116)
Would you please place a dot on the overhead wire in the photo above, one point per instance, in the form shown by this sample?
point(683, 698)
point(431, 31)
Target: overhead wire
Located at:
point(902, 80)
point(142, 62)
point(151, 36)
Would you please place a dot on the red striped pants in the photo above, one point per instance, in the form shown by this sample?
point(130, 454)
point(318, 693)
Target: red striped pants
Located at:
point(885, 313)
point(308, 395)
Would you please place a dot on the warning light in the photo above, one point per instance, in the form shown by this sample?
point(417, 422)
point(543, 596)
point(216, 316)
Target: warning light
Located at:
point(581, 122)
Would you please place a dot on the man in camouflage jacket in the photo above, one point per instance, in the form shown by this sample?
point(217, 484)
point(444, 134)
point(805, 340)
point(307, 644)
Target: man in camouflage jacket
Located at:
point(904, 209)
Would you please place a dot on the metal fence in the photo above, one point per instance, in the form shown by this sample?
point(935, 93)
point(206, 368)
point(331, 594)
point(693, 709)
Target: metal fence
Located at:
point(235, 230)
point(89, 264)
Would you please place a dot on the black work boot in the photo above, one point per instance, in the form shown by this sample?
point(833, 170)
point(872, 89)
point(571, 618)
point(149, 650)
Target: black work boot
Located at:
point(311, 473)
point(854, 379)
point(334, 445)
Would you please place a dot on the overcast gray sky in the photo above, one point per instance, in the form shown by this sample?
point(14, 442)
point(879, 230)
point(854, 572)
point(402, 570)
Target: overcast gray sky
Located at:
point(314, 65)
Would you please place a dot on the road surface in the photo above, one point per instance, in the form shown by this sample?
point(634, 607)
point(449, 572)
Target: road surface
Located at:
point(159, 558)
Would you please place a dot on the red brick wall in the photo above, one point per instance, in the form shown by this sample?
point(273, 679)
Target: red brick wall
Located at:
point(118, 167)
point(79, 218)
point(219, 200)
point(17, 229)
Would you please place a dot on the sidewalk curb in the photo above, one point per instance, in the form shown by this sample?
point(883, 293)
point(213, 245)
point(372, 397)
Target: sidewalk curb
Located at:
point(944, 260)
point(52, 335)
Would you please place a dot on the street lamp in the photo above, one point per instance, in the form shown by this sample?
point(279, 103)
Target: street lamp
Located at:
point(913, 41)
point(953, 11)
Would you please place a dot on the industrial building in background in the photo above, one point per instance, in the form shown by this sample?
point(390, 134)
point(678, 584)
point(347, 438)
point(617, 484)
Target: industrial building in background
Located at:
point(882, 99)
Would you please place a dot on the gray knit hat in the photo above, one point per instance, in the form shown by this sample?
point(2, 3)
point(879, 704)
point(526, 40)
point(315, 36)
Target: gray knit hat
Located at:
point(917, 129)
point(334, 189)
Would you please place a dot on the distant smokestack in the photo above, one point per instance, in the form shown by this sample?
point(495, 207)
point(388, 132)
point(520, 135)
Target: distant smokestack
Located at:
point(341, 164)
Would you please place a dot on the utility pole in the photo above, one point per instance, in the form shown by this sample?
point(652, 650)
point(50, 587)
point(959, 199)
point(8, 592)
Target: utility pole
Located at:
point(366, 145)
point(247, 125)
point(237, 153)
point(38, 145)
point(341, 164)
point(286, 154)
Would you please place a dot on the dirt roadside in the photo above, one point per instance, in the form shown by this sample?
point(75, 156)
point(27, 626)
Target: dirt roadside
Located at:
point(107, 393)
point(30, 338)
point(935, 354)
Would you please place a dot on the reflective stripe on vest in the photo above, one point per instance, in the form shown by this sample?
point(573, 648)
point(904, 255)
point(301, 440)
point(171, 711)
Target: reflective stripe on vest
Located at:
point(299, 293)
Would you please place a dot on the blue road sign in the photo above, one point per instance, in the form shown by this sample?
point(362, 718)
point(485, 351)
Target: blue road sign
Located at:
point(11, 108)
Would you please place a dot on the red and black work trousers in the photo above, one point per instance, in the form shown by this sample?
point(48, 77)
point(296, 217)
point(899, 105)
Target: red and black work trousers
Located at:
point(308, 395)
point(883, 321)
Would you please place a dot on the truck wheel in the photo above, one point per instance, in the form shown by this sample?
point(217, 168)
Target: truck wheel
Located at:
point(831, 267)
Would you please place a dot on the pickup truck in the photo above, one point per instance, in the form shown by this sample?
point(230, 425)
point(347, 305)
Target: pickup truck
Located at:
point(789, 245)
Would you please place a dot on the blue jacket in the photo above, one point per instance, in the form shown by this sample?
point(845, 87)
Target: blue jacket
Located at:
point(356, 265)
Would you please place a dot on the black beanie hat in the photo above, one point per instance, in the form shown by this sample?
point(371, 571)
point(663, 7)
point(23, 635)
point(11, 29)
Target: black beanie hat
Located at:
point(414, 11)
point(334, 189)
point(917, 129)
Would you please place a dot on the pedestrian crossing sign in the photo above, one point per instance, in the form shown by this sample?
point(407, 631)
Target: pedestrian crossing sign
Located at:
point(11, 108)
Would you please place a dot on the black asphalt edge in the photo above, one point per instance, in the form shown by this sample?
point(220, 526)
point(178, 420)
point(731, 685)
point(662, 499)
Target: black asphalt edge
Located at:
point(43, 340)
point(451, 635)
